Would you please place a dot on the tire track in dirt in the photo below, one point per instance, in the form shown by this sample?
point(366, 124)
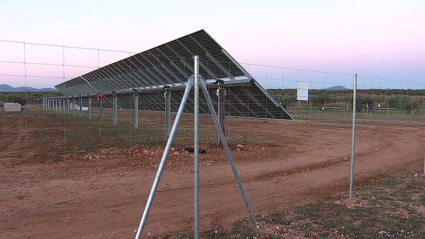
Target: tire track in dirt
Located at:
point(104, 197)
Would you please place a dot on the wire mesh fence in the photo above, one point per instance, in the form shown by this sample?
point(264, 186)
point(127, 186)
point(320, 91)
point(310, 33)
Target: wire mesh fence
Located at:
point(330, 95)
point(74, 161)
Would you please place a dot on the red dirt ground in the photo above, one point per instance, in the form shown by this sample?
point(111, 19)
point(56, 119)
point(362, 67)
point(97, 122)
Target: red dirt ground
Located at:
point(103, 194)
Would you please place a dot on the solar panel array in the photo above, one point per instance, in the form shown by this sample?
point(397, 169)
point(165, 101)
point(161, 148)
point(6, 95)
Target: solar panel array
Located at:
point(171, 64)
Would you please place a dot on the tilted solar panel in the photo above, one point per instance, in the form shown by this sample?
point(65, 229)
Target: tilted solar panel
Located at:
point(171, 64)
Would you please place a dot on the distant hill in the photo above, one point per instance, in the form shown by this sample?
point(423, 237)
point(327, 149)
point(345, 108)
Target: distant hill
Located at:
point(336, 88)
point(8, 88)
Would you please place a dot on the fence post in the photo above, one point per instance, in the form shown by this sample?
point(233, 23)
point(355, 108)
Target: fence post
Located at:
point(353, 143)
point(196, 145)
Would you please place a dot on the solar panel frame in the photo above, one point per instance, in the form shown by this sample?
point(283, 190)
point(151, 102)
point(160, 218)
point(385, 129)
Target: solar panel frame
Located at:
point(171, 64)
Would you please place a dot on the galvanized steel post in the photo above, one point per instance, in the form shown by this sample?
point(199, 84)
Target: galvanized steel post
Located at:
point(67, 107)
point(81, 106)
point(89, 106)
point(73, 106)
point(167, 96)
point(136, 109)
point(100, 109)
point(196, 144)
point(353, 142)
point(221, 93)
point(115, 107)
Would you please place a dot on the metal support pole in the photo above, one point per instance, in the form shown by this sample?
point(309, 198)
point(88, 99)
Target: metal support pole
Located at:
point(167, 96)
point(115, 108)
point(81, 106)
point(221, 93)
point(164, 159)
point(100, 109)
point(64, 105)
point(89, 106)
point(353, 143)
point(229, 155)
point(136, 110)
point(67, 105)
point(196, 144)
point(73, 106)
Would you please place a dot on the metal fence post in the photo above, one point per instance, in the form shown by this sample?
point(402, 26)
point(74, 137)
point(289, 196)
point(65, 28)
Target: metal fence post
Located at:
point(353, 143)
point(196, 144)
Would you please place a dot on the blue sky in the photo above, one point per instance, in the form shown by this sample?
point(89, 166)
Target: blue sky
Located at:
point(381, 38)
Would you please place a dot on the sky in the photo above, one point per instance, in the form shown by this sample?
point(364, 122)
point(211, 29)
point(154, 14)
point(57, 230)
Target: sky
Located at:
point(381, 39)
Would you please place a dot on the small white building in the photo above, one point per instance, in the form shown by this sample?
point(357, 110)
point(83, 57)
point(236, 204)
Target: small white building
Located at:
point(12, 107)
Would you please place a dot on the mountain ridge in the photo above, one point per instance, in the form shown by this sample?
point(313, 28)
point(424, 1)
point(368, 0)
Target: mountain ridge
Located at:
point(8, 88)
point(338, 87)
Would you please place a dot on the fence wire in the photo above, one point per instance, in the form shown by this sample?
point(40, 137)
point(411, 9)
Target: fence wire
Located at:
point(71, 143)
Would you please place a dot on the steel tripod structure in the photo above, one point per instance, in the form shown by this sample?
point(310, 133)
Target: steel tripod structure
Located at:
point(196, 80)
